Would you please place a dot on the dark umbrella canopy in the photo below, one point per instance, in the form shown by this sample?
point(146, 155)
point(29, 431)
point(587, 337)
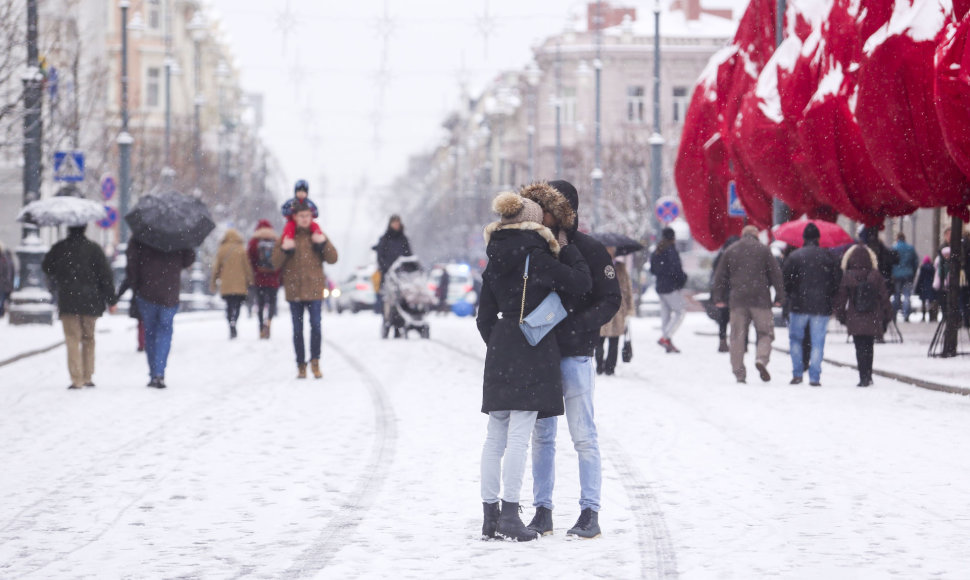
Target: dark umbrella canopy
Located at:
point(624, 244)
point(170, 221)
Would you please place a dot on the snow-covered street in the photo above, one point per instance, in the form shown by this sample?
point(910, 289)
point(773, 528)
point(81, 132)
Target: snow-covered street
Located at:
point(239, 469)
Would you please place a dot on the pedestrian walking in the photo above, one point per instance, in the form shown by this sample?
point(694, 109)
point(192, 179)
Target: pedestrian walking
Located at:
point(521, 382)
point(79, 270)
point(608, 347)
point(265, 275)
point(903, 274)
point(744, 278)
point(862, 305)
point(812, 275)
point(7, 274)
point(667, 270)
point(577, 336)
point(392, 245)
point(301, 260)
point(925, 292)
point(155, 280)
point(722, 314)
point(233, 274)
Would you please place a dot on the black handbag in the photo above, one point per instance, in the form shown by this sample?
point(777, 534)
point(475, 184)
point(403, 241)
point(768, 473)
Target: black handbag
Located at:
point(627, 353)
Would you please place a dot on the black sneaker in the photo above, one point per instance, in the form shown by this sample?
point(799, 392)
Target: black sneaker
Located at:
point(232, 332)
point(587, 526)
point(815, 384)
point(89, 384)
point(796, 381)
point(157, 383)
point(541, 522)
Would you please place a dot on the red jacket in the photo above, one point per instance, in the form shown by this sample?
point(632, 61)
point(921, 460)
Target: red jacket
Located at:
point(265, 278)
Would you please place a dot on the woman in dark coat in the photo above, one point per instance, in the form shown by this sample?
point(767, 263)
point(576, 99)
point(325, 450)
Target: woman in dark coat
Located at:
point(522, 382)
point(924, 289)
point(862, 305)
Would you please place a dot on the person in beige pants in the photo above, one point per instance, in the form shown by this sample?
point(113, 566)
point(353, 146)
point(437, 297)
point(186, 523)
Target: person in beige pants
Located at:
point(746, 273)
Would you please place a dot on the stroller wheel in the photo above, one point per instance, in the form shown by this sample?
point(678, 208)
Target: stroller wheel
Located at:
point(426, 332)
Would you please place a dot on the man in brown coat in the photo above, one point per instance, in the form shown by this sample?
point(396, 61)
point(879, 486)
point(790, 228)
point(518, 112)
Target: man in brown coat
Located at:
point(301, 259)
point(745, 274)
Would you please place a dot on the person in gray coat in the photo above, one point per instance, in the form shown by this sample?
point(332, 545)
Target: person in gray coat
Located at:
point(745, 275)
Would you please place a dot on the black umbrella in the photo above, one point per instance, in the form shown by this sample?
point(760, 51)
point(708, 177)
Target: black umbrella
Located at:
point(624, 244)
point(170, 221)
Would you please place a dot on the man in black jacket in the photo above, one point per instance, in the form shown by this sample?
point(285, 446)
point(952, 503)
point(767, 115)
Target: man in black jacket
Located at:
point(578, 335)
point(82, 278)
point(812, 277)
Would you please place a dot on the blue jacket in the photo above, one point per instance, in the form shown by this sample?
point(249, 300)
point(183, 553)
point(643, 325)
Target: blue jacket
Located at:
point(908, 263)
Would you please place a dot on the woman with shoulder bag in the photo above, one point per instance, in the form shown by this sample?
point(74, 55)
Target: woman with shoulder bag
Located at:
point(522, 382)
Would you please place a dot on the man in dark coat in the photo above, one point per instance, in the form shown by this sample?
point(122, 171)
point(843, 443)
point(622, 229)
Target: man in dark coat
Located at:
point(155, 280)
point(578, 336)
point(82, 277)
point(812, 276)
point(744, 277)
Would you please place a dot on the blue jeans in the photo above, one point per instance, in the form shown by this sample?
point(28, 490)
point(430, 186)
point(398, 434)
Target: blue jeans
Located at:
point(296, 311)
point(817, 325)
point(902, 287)
point(158, 334)
point(578, 373)
point(504, 454)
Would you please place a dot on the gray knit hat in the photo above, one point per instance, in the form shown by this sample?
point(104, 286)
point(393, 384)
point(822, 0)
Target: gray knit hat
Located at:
point(515, 209)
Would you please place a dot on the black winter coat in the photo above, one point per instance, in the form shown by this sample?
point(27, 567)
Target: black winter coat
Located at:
point(860, 266)
point(391, 246)
point(81, 275)
point(518, 376)
point(666, 267)
point(812, 275)
point(590, 309)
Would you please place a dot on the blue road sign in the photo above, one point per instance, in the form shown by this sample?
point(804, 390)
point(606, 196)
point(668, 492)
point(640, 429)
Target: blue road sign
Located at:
point(110, 219)
point(108, 187)
point(735, 209)
point(68, 166)
point(668, 209)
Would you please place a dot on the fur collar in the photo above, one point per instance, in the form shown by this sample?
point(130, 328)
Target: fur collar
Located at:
point(540, 229)
point(551, 201)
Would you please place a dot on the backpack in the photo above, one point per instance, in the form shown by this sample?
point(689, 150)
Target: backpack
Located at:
point(866, 297)
point(264, 254)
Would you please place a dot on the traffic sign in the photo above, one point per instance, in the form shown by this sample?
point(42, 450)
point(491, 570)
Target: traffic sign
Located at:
point(108, 187)
point(668, 209)
point(110, 219)
point(68, 166)
point(735, 209)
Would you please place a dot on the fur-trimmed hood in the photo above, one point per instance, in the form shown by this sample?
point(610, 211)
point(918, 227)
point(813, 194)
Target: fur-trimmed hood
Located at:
point(540, 229)
point(551, 201)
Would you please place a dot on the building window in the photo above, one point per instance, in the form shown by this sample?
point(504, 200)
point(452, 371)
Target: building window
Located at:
point(635, 105)
point(680, 104)
point(568, 105)
point(154, 14)
point(153, 87)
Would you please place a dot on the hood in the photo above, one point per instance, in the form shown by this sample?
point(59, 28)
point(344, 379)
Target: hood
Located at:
point(261, 224)
point(232, 236)
point(267, 233)
point(507, 245)
point(551, 201)
point(859, 257)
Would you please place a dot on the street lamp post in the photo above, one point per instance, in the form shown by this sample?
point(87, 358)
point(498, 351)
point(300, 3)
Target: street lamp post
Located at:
point(33, 123)
point(196, 28)
point(656, 139)
point(124, 139)
point(532, 77)
point(597, 173)
point(169, 62)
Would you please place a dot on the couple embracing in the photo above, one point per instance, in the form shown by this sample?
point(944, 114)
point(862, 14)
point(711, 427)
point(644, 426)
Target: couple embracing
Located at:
point(535, 249)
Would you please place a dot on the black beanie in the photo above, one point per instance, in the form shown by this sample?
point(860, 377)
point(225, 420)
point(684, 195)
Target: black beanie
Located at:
point(667, 234)
point(568, 191)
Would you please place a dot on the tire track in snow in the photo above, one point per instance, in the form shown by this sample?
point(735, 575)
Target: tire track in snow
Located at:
point(654, 543)
point(375, 472)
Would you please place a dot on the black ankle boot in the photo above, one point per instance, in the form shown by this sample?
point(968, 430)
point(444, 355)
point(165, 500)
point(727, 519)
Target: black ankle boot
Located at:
point(491, 520)
point(541, 522)
point(510, 525)
point(587, 526)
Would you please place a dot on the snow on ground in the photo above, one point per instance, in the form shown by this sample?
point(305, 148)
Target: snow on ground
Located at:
point(239, 469)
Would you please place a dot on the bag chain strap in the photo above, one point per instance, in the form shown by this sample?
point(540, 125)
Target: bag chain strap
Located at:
point(525, 280)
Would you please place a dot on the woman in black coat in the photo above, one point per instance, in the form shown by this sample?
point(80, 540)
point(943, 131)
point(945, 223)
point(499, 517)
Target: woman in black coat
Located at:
point(522, 382)
point(862, 305)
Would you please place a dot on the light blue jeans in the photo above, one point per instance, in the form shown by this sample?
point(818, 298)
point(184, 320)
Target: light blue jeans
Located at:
point(902, 287)
point(818, 326)
point(507, 437)
point(578, 373)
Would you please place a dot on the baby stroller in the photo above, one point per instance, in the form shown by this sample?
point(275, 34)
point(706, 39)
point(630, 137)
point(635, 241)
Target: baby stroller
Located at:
point(407, 298)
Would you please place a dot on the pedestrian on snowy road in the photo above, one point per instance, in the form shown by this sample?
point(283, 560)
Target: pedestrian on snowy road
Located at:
point(862, 305)
point(301, 261)
point(79, 270)
point(903, 274)
point(392, 245)
point(155, 280)
point(812, 277)
point(521, 382)
point(666, 267)
point(577, 335)
point(745, 275)
point(924, 289)
point(233, 274)
point(267, 278)
point(722, 314)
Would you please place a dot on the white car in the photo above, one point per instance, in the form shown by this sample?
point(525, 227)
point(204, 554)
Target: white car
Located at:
point(356, 293)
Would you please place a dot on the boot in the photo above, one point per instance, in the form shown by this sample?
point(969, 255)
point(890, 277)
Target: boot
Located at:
point(491, 521)
point(267, 327)
point(301, 371)
point(510, 526)
point(723, 346)
point(232, 331)
point(315, 367)
point(541, 522)
point(264, 331)
point(587, 526)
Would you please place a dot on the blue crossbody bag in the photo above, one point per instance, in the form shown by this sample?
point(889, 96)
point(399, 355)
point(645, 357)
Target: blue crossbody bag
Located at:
point(544, 318)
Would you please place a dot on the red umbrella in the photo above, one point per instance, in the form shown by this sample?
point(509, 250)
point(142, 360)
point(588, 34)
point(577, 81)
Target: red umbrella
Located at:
point(832, 236)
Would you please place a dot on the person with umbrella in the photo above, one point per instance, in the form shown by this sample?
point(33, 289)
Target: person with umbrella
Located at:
point(82, 277)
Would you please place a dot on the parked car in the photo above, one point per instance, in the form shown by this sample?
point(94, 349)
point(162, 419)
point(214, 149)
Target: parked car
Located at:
point(460, 281)
point(356, 293)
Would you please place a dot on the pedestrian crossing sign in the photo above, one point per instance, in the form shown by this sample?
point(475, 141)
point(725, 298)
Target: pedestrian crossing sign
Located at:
point(735, 209)
point(68, 166)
